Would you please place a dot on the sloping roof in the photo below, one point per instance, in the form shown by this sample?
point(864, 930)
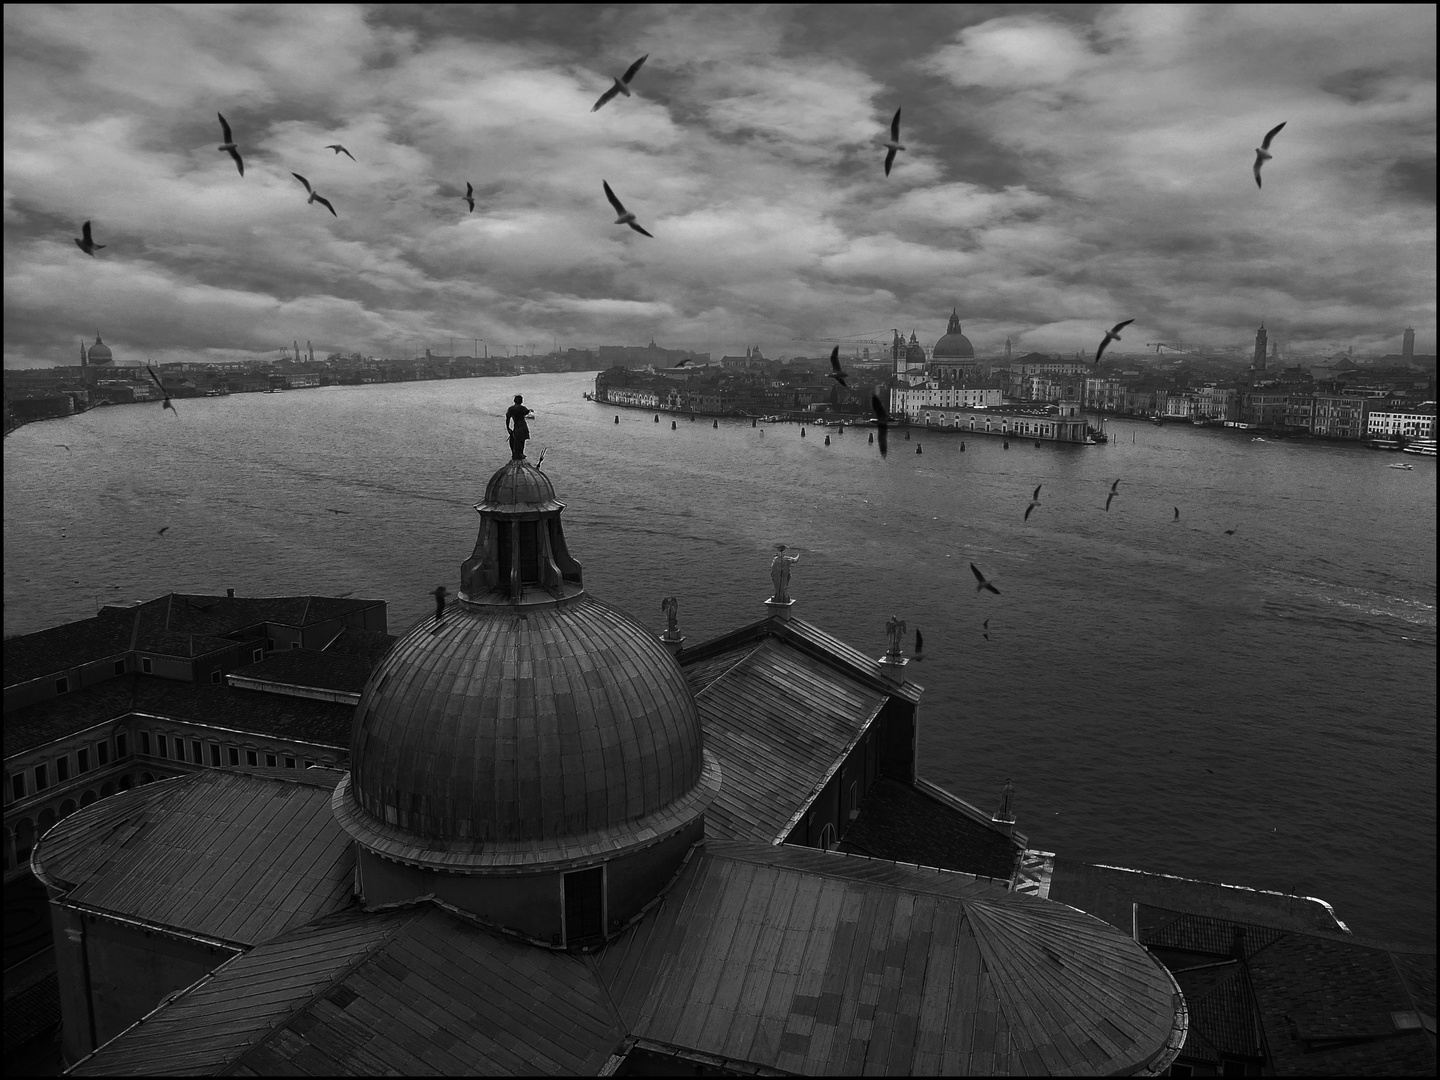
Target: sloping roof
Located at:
point(224, 855)
point(31, 656)
point(369, 645)
point(816, 962)
point(404, 993)
point(303, 719)
point(780, 720)
point(343, 672)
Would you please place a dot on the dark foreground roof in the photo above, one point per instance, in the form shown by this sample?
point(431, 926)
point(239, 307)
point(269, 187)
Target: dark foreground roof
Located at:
point(778, 957)
point(1297, 1003)
point(302, 719)
point(199, 853)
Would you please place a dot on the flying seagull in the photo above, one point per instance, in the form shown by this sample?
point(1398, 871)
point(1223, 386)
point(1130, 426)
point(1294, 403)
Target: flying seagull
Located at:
point(894, 143)
point(1231, 532)
point(66, 447)
point(1177, 514)
point(156, 378)
point(341, 150)
point(835, 372)
point(1111, 335)
point(625, 217)
point(981, 583)
point(1114, 490)
point(469, 196)
point(1034, 501)
point(87, 243)
point(315, 196)
point(622, 84)
point(986, 626)
point(1262, 152)
point(882, 421)
point(228, 146)
point(162, 532)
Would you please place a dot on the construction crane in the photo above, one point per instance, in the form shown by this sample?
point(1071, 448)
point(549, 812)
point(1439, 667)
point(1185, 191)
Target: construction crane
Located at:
point(1158, 345)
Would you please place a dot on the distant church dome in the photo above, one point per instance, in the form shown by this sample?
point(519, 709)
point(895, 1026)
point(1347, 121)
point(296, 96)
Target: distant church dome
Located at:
point(532, 727)
point(914, 352)
point(954, 345)
point(99, 353)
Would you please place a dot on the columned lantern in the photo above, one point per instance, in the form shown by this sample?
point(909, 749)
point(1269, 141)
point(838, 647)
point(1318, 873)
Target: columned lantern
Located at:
point(529, 754)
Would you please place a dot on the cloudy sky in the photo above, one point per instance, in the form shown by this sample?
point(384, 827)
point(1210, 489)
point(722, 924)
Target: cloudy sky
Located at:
point(1066, 167)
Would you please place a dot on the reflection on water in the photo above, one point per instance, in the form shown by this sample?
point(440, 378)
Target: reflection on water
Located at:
point(1256, 708)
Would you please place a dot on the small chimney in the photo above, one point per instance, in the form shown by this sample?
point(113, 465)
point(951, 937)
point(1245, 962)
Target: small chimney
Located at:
point(230, 593)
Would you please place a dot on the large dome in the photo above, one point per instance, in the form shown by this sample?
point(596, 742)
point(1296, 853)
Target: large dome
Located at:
point(954, 345)
point(99, 353)
point(531, 723)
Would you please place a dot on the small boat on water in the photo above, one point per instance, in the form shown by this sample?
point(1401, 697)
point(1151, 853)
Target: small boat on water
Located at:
point(1257, 439)
point(1423, 447)
point(1400, 465)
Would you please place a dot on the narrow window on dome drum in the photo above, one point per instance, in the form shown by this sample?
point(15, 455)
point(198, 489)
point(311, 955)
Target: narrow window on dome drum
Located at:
point(584, 905)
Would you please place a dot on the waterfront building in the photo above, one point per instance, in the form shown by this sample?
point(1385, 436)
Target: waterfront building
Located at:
point(1341, 415)
point(1410, 424)
point(575, 846)
point(1264, 408)
point(1219, 403)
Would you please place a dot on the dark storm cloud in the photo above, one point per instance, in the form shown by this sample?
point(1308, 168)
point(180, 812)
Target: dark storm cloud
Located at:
point(1063, 164)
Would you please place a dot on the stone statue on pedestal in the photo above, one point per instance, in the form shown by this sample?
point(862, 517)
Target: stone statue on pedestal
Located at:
point(517, 427)
point(671, 607)
point(895, 630)
point(780, 574)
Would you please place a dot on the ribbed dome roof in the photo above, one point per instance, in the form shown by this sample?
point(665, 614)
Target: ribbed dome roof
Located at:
point(504, 725)
point(954, 344)
point(519, 486)
point(99, 353)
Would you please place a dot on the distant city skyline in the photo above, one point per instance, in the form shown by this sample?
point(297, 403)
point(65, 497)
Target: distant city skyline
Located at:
point(1066, 168)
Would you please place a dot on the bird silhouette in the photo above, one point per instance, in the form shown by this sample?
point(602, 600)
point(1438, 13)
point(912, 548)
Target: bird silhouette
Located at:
point(1262, 152)
point(980, 582)
point(1114, 491)
point(228, 146)
point(1111, 335)
point(625, 218)
point(894, 144)
point(1034, 501)
point(334, 511)
point(882, 423)
point(835, 371)
point(622, 84)
point(469, 196)
point(984, 627)
point(162, 532)
point(1231, 532)
point(315, 196)
point(341, 150)
point(66, 447)
point(86, 243)
point(168, 404)
point(1177, 514)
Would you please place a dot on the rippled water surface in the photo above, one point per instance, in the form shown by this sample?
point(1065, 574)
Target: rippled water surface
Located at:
point(1256, 708)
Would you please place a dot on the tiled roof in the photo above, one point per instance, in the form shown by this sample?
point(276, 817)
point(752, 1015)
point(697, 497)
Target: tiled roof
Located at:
point(814, 969)
point(343, 672)
point(301, 719)
point(899, 822)
point(406, 993)
point(199, 853)
point(1160, 929)
point(1223, 1019)
point(779, 721)
point(370, 645)
point(31, 656)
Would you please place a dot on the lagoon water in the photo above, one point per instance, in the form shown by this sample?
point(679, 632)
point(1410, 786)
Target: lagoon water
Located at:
point(1257, 708)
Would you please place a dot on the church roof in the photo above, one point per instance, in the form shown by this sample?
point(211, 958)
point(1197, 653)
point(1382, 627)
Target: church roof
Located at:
point(775, 957)
point(954, 345)
point(198, 853)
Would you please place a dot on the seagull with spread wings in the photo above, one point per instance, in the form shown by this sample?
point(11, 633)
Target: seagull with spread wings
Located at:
point(86, 242)
point(625, 218)
point(1262, 152)
point(1034, 501)
point(315, 196)
point(622, 84)
point(836, 372)
point(894, 144)
point(228, 146)
point(882, 422)
point(1114, 491)
point(981, 583)
point(341, 150)
point(1111, 335)
point(469, 196)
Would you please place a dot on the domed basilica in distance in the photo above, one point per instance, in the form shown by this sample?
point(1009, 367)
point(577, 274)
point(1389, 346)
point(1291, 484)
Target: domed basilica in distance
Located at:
point(566, 845)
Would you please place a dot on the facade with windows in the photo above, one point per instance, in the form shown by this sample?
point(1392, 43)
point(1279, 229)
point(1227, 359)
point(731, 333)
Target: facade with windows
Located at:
point(1409, 424)
point(145, 691)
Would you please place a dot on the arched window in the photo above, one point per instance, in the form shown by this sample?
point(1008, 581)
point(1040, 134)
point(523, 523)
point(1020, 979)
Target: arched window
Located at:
point(87, 798)
point(47, 818)
point(24, 840)
point(126, 782)
point(106, 789)
point(67, 808)
point(146, 778)
point(827, 836)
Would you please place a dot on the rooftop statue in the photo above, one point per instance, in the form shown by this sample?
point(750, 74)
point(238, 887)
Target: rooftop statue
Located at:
point(1006, 797)
point(895, 630)
point(780, 574)
point(517, 427)
point(671, 607)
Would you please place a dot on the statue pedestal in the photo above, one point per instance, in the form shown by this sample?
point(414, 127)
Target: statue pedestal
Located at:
point(1005, 825)
point(893, 667)
point(673, 645)
point(780, 609)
